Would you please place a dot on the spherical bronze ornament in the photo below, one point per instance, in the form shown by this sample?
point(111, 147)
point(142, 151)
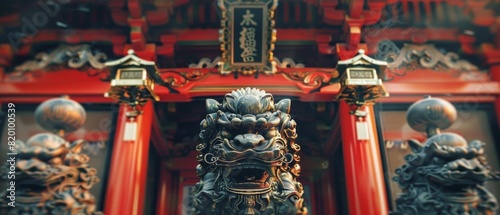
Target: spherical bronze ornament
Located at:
point(431, 113)
point(447, 139)
point(46, 140)
point(60, 114)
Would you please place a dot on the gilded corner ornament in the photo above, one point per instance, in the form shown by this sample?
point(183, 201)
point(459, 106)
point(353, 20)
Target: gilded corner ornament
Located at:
point(247, 36)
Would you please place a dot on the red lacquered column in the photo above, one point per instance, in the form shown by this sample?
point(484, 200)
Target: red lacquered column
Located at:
point(366, 193)
point(495, 74)
point(163, 198)
point(497, 108)
point(493, 59)
point(129, 165)
point(328, 192)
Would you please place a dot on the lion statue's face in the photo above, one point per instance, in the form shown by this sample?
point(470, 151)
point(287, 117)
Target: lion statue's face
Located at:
point(248, 158)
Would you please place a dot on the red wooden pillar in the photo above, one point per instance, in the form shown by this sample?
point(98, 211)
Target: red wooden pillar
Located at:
point(495, 75)
point(328, 192)
point(366, 192)
point(129, 165)
point(164, 187)
point(493, 59)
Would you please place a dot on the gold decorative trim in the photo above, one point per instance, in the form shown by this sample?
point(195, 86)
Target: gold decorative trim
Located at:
point(310, 77)
point(280, 64)
point(315, 79)
point(177, 79)
point(291, 89)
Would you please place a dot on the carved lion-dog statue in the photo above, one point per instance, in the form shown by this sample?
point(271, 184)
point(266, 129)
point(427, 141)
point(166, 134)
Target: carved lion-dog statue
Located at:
point(445, 175)
point(248, 162)
point(52, 177)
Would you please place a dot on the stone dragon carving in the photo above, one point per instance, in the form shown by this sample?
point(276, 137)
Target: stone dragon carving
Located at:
point(444, 175)
point(248, 162)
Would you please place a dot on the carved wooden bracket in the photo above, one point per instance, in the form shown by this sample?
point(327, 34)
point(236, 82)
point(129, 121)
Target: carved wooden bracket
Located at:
point(307, 79)
point(80, 57)
point(138, 29)
point(331, 15)
point(412, 57)
point(323, 42)
point(160, 16)
point(352, 29)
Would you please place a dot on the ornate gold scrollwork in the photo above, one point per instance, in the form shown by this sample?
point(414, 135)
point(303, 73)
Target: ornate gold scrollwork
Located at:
point(314, 79)
point(178, 79)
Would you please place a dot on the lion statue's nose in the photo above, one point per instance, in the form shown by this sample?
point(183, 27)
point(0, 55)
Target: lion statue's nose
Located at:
point(248, 141)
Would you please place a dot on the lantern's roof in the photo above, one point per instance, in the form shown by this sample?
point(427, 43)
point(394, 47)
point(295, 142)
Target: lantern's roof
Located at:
point(130, 59)
point(361, 60)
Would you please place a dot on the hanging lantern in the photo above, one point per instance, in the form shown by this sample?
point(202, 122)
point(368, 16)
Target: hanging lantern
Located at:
point(359, 80)
point(133, 80)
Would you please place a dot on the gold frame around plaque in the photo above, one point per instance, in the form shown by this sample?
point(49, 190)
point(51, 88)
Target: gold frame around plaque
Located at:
point(264, 34)
point(226, 64)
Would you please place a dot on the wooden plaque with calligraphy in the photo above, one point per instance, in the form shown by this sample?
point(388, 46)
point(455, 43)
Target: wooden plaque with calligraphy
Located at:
point(247, 36)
